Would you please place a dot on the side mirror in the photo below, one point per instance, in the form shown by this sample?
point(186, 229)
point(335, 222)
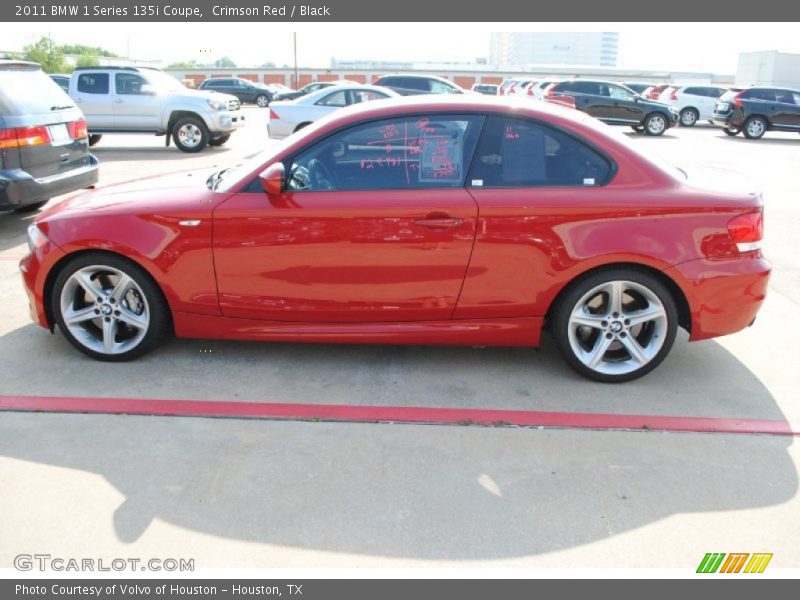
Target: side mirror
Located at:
point(148, 90)
point(272, 179)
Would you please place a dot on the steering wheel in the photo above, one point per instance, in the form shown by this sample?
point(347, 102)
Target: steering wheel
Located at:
point(320, 176)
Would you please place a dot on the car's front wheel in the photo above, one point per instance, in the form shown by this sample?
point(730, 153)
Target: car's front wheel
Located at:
point(655, 124)
point(190, 134)
point(108, 307)
point(615, 325)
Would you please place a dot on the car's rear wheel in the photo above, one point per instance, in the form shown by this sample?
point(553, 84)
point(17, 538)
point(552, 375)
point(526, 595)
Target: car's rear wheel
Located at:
point(655, 124)
point(731, 131)
point(262, 100)
point(615, 325)
point(190, 134)
point(94, 138)
point(219, 141)
point(689, 117)
point(755, 128)
point(108, 307)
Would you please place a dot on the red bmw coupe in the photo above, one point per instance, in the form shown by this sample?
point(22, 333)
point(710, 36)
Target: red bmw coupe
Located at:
point(465, 221)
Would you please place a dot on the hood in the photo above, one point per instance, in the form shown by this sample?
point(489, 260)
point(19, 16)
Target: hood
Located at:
point(203, 95)
point(181, 192)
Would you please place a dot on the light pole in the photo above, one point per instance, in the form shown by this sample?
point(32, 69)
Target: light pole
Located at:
point(296, 82)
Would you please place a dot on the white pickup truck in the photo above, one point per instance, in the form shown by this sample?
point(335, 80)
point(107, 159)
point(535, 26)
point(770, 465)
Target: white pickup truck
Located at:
point(147, 100)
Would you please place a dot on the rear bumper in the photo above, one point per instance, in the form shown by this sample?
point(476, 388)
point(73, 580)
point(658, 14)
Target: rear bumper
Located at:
point(729, 120)
point(277, 130)
point(723, 295)
point(18, 188)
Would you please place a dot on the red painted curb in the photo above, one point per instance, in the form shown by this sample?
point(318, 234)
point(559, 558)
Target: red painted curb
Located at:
point(402, 414)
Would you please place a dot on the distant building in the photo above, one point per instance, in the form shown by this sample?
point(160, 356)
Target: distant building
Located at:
point(553, 48)
point(769, 67)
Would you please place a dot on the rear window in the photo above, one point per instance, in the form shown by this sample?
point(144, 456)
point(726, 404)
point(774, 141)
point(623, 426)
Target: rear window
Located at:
point(29, 91)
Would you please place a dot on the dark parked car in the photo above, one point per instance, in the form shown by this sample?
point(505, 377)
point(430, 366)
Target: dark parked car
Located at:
point(487, 89)
point(244, 90)
point(615, 104)
point(44, 147)
point(61, 80)
point(756, 110)
point(413, 85)
point(307, 89)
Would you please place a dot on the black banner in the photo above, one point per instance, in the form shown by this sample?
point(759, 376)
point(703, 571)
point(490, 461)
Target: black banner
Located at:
point(401, 11)
point(372, 589)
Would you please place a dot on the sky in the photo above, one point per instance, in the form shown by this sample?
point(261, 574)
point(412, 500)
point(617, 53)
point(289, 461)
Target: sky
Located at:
point(705, 47)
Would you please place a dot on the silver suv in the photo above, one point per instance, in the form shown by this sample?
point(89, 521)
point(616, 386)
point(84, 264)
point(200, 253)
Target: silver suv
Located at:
point(146, 100)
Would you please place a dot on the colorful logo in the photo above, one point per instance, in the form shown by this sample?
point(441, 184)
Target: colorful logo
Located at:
point(737, 562)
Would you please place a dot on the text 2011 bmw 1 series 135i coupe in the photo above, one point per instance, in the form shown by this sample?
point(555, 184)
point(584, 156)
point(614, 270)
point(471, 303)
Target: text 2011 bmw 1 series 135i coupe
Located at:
point(463, 221)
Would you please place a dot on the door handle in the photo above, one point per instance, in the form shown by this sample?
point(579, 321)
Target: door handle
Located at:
point(439, 222)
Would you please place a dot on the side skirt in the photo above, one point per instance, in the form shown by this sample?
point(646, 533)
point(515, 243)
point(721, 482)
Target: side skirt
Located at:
point(473, 332)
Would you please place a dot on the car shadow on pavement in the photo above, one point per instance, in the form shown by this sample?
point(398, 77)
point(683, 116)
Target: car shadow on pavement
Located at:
point(413, 491)
point(740, 139)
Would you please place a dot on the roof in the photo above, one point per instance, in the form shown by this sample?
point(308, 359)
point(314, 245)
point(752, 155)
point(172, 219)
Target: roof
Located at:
point(18, 64)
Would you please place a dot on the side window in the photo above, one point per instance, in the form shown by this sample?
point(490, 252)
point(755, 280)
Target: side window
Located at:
point(694, 91)
point(360, 96)
point(619, 93)
point(393, 154)
point(334, 99)
point(784, 97)
point(519, 153)
point(585, 87)
point(93, 83)
point(128, 83)
point(796, 97)
point(439, 87)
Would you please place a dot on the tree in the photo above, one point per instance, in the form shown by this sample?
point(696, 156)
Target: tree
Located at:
point(225, 62)
point(183, 64)
point(80, 50)
point(87, 60)
point(47, 54)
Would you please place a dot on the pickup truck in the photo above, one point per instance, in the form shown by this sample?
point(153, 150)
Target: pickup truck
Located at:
point(147, 100)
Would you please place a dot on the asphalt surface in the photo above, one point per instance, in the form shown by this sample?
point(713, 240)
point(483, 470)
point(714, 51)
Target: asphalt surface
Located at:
point(290, 494)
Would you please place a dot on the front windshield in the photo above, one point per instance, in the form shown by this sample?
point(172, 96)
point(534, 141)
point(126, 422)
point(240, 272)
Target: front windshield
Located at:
point(162, 81)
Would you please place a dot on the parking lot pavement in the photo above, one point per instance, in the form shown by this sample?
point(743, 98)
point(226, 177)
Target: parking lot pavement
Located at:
point(298, 494)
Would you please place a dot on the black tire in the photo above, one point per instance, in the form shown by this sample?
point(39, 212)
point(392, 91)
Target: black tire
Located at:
point(158, 324)
point(262, 100)
point(755, 128)
point(689, 117)
point(637, 128)
point(652, 121)
point(30, 207)
point(731, 131)
point(575, 294)
point(220, 140)
point(94, 138)
point(190, 134)
point(299, 127)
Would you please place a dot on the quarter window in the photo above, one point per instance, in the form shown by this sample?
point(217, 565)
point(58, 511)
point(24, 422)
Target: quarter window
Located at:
point(93, 83)
point(412, 152)
point(519, 153)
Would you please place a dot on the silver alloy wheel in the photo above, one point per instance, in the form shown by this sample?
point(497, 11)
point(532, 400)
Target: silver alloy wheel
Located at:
point(688, 118)
point(190, 135)
point(617, 327)
point(105, 309)
point(656, 124)
point(756, 128)
point(262, 101)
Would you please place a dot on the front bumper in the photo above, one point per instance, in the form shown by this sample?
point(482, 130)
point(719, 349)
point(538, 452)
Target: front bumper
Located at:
point(18, 188)
point(34, 269)
point(723, 295)
point(227, 121)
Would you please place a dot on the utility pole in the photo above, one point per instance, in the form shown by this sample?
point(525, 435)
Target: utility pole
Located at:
point(296, 81)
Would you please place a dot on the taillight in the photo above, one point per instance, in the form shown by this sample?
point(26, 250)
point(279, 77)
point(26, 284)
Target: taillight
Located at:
point(511, 88)
point(550, 91)
point(737, 102)
point(747, 231)
point(24, 136)
point(529, 89)
point(77, 129)
point(273, 116)
point(674, 95)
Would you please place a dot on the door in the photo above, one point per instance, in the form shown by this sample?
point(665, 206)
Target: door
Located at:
point(374, 225)
point(93, 96)
point(621, 106)
point(787, 109)
point(136, 107)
